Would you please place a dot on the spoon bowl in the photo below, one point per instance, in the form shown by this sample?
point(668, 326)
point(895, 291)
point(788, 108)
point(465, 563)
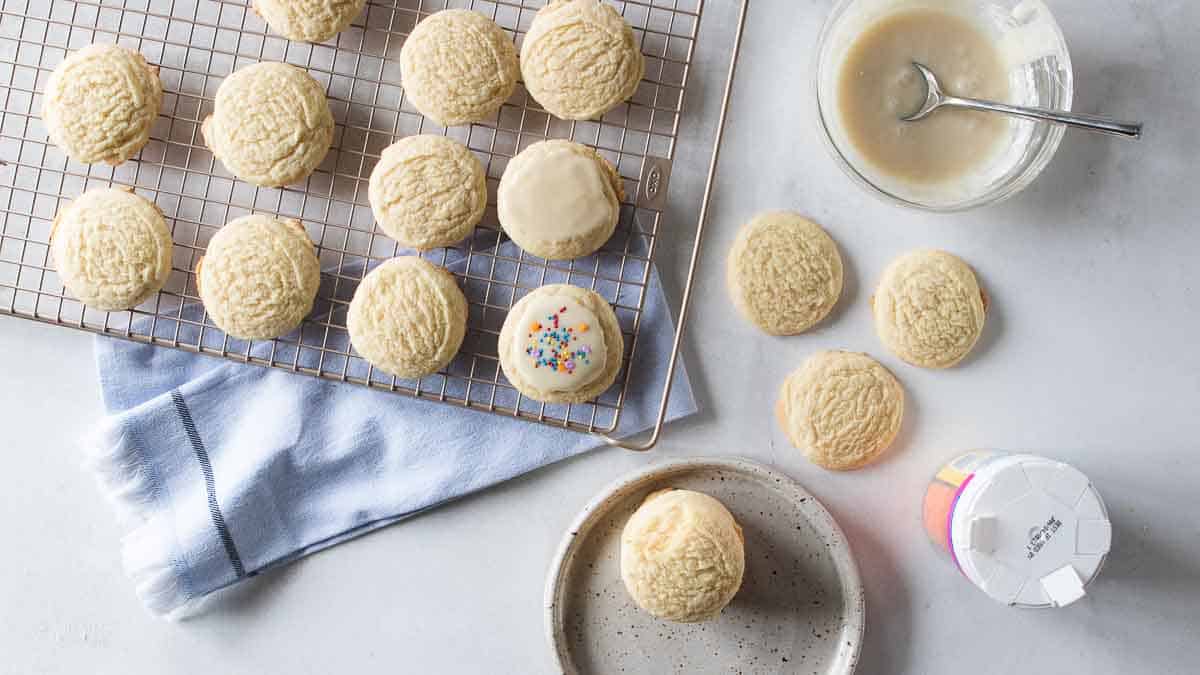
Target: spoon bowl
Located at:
point(934, 97)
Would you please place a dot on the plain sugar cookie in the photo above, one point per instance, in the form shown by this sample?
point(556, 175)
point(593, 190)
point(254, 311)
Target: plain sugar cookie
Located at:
point(111, 248)
point(100, 104)
point(559, 200)
point(408, 317)
point(259, 277)
point(682, 556)
point(580, 59)
point(929, 309)
point(841, 409)
point(561, 344)
point(784, 273)
point(427, 191)
point(308, 20)
point(270, 124)
point(458, 67)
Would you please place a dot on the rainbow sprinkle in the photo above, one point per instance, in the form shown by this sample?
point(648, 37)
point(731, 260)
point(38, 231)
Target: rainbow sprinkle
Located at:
point(549, 344)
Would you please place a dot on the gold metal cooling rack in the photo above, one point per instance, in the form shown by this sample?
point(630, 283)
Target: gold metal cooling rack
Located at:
point(196, 43)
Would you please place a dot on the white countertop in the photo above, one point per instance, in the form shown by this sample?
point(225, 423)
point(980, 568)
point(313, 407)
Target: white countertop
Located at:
point(1089, 356)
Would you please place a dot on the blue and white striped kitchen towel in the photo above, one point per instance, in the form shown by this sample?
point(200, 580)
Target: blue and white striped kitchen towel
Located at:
point(224, 470)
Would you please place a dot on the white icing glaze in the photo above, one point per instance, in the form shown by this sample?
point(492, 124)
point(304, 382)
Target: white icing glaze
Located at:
point(564, 195)
point(560, 346)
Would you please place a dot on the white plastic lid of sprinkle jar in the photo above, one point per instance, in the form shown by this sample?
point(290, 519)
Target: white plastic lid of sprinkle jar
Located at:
point(1029, 531)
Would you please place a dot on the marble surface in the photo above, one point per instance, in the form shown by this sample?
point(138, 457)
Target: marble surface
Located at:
point(1089, 356)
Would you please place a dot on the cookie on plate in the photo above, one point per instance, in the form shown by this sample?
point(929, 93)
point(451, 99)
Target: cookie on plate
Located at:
point(784, 273)
point(561, 344)
point(100, 103)
point(259, 277)
point(308, 20)
point(841, 409)
point(111, 248)
point(559, 200)
point(929, 309)
point(270, 124)
point(427, 191)
point(458, 67)
point(408, 317)
point(682, 556)
point(580, 59)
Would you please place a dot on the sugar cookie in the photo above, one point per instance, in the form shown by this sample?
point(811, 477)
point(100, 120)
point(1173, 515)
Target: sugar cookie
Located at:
point(458, 67)
point(841, 409)
point(784, 273)
point(561, 344)
point(408, 317)
point(559, 200)
point(100, 104)
point(580, 59)
point(270, 125)
point(427, 191)
point(259, 277)
point(929, 309)
point(308, 20)
point(682, 556)
point(111, 248)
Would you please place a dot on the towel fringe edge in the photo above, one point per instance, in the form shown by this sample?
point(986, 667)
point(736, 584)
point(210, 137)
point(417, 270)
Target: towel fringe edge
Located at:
point(120, 472)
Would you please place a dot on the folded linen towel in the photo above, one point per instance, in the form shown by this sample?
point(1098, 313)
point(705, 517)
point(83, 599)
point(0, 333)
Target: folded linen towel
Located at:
point(226, 469)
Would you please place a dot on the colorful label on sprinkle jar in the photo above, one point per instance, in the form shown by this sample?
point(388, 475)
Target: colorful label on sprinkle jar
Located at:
point(1026, 530)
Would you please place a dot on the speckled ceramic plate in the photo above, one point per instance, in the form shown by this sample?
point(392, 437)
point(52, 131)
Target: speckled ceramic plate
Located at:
point(800, 608)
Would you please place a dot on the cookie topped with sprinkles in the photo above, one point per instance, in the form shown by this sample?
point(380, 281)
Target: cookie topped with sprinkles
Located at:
point(554, 343)
point(561, 348)
point(561, 344)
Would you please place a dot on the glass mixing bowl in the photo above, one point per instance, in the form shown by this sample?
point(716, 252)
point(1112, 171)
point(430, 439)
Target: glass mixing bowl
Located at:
point(1032, 47)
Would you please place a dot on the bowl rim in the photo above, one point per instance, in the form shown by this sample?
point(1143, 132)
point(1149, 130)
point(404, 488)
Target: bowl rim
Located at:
point(853, 591)
point(1043, 158)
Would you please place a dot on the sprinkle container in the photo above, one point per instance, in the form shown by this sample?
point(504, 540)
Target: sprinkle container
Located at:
point(1026, 530)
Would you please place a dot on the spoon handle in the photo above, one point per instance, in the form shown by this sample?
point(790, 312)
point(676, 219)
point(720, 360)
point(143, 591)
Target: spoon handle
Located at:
point(1078, 120)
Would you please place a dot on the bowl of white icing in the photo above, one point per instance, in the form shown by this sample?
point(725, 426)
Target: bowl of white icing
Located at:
point(953, 160)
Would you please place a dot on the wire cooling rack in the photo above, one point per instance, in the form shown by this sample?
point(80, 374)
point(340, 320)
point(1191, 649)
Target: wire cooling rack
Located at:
point(196, 43)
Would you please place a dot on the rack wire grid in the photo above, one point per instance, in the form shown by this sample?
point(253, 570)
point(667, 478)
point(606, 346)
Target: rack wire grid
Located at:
point(195, 44)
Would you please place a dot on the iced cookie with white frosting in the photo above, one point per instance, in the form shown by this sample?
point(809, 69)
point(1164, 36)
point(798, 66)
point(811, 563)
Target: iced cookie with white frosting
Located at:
point(559, 200)
point(561, 344)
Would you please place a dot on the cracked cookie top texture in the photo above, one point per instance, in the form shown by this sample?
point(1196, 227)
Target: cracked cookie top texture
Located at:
point(259, 277)
point(784, 273)
point(408, 317)
point(841, 409)
point(308, 20)
point(682, 556)
point(271, 124)
point(111, 248)
point(580, 59)
point(427, 191)
point(100, 104)
point(929, 309)
point(457, 67)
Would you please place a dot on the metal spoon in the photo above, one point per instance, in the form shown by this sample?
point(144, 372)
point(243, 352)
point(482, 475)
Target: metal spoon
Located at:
point(935, 98)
